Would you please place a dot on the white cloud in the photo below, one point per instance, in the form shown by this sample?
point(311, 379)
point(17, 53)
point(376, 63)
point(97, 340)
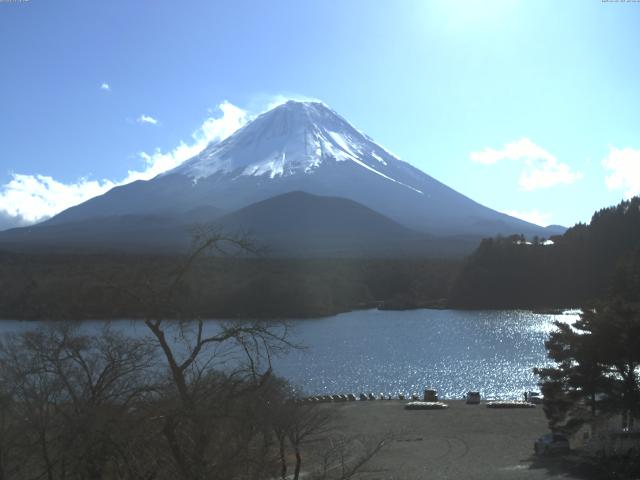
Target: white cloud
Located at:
point(8, 221)
point(541, 168)
point(146, 119)
point(624, 165)
point(105, 86)
point(542, 219)
point(280, 99)
point(28, 199)
point(35, 197)
point(212, 129)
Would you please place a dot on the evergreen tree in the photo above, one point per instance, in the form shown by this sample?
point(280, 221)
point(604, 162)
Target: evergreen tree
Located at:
point(597, 366)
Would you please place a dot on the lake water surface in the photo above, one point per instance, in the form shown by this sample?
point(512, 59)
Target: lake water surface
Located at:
point(451, 351)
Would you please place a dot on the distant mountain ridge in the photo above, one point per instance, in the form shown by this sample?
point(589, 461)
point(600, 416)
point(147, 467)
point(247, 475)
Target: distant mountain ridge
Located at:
point(292, 224)
point(295, 147)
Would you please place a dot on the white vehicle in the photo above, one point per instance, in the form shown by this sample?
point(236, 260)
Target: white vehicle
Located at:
point(551, 443)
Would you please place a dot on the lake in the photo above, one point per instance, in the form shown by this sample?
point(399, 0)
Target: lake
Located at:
point(451, 351)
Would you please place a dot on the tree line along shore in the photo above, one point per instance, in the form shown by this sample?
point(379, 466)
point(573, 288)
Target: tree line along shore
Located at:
point(108, 405)
point(502, 273)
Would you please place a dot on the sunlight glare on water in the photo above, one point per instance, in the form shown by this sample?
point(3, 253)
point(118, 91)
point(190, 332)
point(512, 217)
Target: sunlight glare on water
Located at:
point(451, 351)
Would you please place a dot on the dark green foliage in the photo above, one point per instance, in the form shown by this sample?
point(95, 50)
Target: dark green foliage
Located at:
point(579, 266)
point(626, 280)
point(597, 362)
point(100, 286)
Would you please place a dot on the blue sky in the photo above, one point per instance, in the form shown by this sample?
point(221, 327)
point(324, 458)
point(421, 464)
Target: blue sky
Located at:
point(527, 107)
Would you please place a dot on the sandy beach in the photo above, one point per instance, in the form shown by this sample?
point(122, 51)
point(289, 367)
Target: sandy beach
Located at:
point(462, 442)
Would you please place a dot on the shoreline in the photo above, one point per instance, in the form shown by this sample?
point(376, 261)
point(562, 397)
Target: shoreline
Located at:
point(537, 311)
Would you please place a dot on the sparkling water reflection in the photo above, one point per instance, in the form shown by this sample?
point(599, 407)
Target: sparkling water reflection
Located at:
point(451, 351)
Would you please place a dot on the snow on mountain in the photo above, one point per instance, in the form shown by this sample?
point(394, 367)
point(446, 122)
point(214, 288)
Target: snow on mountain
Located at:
point(294, 138)
point(307, 147)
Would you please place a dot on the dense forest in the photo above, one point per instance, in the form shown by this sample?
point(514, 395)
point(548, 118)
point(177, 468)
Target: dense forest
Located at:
point(112, 286)
point(503, 272)
point(569, 270)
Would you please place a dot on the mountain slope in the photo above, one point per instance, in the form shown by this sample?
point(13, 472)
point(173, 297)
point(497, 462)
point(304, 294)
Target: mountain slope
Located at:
point(303, 146)
point(140, 233)
point(297, 222)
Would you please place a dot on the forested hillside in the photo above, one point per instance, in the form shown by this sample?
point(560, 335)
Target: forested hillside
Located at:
point(503, 272)
point(120, 286)
point(582, 264)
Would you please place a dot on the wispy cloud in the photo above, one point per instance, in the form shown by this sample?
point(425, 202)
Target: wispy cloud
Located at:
point(542, 219)
point(212, 129)
point(279, 99)
point(28, 199)
point(105, 86)
point(624, 167)
point(11, 221)
point(146, 119)
point(541, 169)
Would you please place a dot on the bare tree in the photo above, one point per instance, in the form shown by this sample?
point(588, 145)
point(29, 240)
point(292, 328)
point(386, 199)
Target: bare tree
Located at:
point(305, 421)
point(71, 397)
point(189, 400)
point(312, 433)
point(226, 420)
point(212, 373)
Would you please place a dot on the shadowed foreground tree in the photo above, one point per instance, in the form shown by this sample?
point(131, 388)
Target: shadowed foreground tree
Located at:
point(184, 400)
point(598, 366)
point(71, 403)
point(598, 358)
point(233, 423)
point(215, 377)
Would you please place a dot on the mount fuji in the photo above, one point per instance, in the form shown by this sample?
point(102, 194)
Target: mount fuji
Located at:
point(302, 147)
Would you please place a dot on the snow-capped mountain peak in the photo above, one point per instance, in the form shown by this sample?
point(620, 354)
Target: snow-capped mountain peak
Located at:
point(302, 147)
point(292, 138)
